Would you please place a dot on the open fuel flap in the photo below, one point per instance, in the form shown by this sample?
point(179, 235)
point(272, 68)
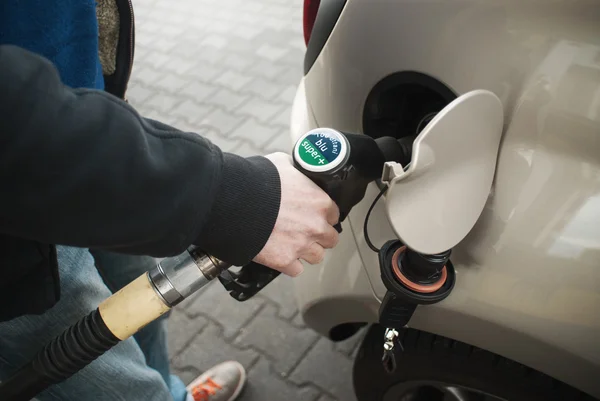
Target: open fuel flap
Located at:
point(432, 203)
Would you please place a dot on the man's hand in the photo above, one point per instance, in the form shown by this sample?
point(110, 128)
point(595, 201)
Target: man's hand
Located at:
point(304, 226)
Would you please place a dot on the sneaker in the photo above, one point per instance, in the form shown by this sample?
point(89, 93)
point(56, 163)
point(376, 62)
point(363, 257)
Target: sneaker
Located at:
point(223, 382)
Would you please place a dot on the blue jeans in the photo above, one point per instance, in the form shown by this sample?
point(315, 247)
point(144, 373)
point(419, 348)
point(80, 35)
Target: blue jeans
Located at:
point(135, 369)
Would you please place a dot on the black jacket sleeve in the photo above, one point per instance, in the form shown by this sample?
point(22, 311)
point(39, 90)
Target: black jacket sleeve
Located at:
point(82, 168)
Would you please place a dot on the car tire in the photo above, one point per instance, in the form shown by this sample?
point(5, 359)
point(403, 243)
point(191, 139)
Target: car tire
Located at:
point(430, 362)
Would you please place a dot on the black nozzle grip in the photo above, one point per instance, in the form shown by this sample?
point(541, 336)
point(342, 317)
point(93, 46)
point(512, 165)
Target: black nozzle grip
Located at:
point(251, 278)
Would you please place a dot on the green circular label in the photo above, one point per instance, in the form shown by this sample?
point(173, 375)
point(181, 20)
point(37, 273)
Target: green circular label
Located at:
point(320, 148)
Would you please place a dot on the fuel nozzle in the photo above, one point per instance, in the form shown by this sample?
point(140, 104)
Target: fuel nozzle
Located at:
point(396, 150)
point(343, 164)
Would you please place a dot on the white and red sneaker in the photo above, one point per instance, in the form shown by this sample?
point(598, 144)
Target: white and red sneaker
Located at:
point(223, 382)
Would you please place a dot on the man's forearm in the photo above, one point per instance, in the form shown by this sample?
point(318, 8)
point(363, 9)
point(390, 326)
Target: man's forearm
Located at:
point(82, 168)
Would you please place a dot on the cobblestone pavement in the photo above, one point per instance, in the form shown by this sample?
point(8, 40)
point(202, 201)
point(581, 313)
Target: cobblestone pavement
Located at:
point(228, 70)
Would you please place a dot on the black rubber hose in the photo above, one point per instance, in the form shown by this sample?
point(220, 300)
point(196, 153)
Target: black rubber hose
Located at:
point(24, 385)
point(64, 356)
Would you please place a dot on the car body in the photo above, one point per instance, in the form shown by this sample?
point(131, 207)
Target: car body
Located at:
point(528, 273)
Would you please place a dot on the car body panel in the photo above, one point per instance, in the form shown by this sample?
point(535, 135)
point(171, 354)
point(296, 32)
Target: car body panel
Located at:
point(528, 274)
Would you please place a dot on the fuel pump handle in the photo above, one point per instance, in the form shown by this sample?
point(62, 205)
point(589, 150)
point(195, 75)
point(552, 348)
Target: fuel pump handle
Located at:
point(340, 164)
point(344, 164)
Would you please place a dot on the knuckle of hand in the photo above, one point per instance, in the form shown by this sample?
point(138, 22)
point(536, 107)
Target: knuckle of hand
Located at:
point(332, 205)
point(327, 203)
point(331, 239)
point(335, 239)
point(324, 229)
point(315, 259)
point(314, 231)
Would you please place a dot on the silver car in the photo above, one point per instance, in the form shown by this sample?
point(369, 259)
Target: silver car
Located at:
point(523, 319)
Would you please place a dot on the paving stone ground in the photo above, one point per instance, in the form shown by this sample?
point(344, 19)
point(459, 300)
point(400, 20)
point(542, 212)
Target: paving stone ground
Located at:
point(228, 70)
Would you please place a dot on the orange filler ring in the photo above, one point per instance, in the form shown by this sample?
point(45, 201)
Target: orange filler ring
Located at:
point(425, 289)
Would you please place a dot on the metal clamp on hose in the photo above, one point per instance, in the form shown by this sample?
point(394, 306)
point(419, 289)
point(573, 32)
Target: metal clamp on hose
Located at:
point(176, 278)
